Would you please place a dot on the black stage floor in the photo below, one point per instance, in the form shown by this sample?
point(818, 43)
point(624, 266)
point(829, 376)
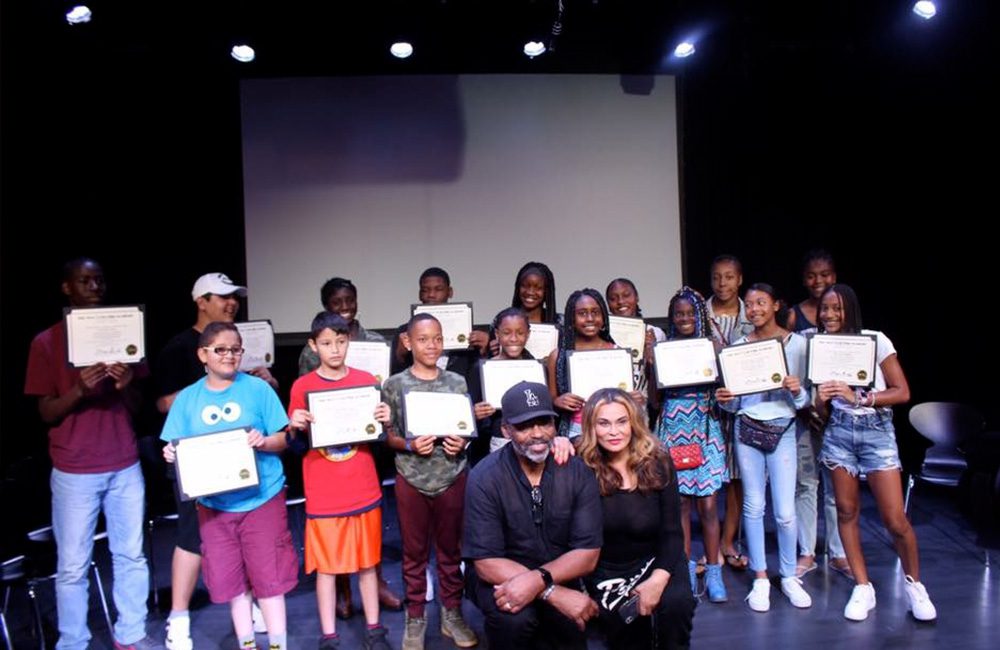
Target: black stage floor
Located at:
point(965, 591)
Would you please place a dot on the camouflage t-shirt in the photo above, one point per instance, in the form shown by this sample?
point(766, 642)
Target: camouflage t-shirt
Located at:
point(433, 474)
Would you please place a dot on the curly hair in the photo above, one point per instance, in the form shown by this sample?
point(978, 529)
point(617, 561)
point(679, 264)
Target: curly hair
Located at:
point(646, 455)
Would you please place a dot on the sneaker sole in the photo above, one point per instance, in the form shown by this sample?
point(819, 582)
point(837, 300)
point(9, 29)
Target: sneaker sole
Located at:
point(460, 644)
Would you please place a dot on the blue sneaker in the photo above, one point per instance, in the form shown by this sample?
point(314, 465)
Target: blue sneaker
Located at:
point(714, 585)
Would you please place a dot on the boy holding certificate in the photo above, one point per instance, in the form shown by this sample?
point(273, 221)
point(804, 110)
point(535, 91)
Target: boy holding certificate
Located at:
point(343, 492)
point(430, 489)
point(246, 545)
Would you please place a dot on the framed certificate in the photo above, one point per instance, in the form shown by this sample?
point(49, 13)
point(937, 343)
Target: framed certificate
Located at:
point(456, 322)
point(105, 335)
point(685, 362)
point(500, 374)
point(542, 340)
point(370, 356)
point(629, 333)
point(849, 358)
point(590, 370)
point(344, 416)
point(753, 367)
point(438, 414)
point(214, 463)
point(258, 344)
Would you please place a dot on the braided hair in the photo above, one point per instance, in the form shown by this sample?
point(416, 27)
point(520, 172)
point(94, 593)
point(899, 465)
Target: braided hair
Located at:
point(549, 303)
point(702, 329)
point(567, 338)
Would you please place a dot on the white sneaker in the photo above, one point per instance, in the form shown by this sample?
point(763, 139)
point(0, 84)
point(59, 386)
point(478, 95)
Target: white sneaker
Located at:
point(259, 626)
point(862, 601)
point(179, 634)
point(918, 600)
point(759, 597)
point(792, 587)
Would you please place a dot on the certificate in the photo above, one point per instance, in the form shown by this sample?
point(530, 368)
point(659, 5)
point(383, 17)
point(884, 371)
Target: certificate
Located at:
point(214, 463)
point(258, 344)
point(456, 322)
point(753, 367)
point(500, 374)
point(848, 358)
point(344, 416)
point(685, 362)
point(370, 356)
point(590, 370)
point(629, 333)
point(105, 335)
point(542, 340)
point(438, 414)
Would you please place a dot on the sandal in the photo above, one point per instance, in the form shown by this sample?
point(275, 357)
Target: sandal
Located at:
point(737, 561)
point(699, 568)
point(805, 564)
point(840, 565)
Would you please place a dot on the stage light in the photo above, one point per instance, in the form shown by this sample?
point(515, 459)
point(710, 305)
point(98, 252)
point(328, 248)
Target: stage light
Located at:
point(78, 15)
point(243, 53)
point(534, 48)
point(401, 50)
point(925, 9)
point(684, 49)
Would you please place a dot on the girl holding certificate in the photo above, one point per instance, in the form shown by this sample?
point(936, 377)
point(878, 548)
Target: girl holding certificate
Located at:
point(623, 300)
point(689, 417)
point(762, 418)
point(860, 438)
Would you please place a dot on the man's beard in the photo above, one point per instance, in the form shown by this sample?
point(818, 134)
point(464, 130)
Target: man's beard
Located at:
point(535, 457)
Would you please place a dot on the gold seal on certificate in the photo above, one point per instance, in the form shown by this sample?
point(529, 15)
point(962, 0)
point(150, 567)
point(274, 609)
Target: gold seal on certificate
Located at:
point(438, 414)
point(629, 333)
point(258, 344)
point(214, 463)
point(685, 362)
point(591, 370)
point(370, 356)
point(753, 367)
point(105, 335)
point(849, 358)
point(455, 319)
point(500, 374)
point(343, 416)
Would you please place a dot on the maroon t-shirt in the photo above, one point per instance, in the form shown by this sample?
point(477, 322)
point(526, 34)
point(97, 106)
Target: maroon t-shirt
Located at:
point(95, 437)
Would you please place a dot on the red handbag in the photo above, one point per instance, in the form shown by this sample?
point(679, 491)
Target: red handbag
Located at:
point(687, 456)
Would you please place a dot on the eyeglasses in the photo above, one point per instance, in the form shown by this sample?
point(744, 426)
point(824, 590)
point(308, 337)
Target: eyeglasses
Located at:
point(222, 350)
point(536, 504)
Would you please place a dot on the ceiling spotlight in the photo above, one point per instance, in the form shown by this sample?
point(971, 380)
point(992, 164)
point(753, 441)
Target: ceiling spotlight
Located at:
point(684, 49)
point(242, 53)
point(925, 9)
point(401, 50)
point(78, 15)
point(534, 48)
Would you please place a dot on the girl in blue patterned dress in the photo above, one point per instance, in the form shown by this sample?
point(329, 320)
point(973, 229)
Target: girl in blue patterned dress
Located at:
point(689, 416)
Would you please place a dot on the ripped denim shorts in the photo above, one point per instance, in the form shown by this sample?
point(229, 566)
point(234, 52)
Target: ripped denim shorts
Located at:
point(860, 443)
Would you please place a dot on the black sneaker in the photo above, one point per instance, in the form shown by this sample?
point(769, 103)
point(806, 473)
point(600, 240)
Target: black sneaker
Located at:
point(329, 643)
point(375, 639)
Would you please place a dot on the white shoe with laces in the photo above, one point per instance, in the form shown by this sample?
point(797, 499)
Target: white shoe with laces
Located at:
point(862, 601)
point(792, 587)
point(918, 601)
point(179, 634)
point(759, 598)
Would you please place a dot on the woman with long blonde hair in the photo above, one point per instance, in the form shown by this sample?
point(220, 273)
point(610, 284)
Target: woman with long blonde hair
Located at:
point(640, 584)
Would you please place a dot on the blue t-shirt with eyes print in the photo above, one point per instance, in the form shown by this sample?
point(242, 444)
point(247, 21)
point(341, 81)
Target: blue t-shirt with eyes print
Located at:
point(247, 402)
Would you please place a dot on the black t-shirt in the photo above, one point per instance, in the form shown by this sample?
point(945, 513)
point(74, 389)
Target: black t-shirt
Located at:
point(640, 526)
point(178, 365)
point(498, 518)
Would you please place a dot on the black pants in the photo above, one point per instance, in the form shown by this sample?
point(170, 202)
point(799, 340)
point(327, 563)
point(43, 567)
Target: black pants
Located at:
point(536, 627)
point(669, 627)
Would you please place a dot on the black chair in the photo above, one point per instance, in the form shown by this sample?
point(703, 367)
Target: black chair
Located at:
point(948, 425)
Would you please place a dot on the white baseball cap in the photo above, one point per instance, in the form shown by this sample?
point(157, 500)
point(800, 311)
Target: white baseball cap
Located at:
point(217, 283)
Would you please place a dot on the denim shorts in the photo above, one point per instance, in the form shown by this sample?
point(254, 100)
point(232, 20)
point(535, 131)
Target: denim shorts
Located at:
point(860, 443)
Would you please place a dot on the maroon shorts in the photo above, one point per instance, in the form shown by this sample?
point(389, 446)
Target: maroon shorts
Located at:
point(248, 551)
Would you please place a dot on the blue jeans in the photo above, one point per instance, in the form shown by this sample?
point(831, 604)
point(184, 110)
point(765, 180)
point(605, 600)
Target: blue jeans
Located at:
point(755, 469)
point(76, 501)
point(806, 490)
point(861, 444)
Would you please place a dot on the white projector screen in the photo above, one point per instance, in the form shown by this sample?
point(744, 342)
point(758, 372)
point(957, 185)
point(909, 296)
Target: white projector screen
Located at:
point(377, 178)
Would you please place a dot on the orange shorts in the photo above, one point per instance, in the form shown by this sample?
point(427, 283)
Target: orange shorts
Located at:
point(344, 544)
